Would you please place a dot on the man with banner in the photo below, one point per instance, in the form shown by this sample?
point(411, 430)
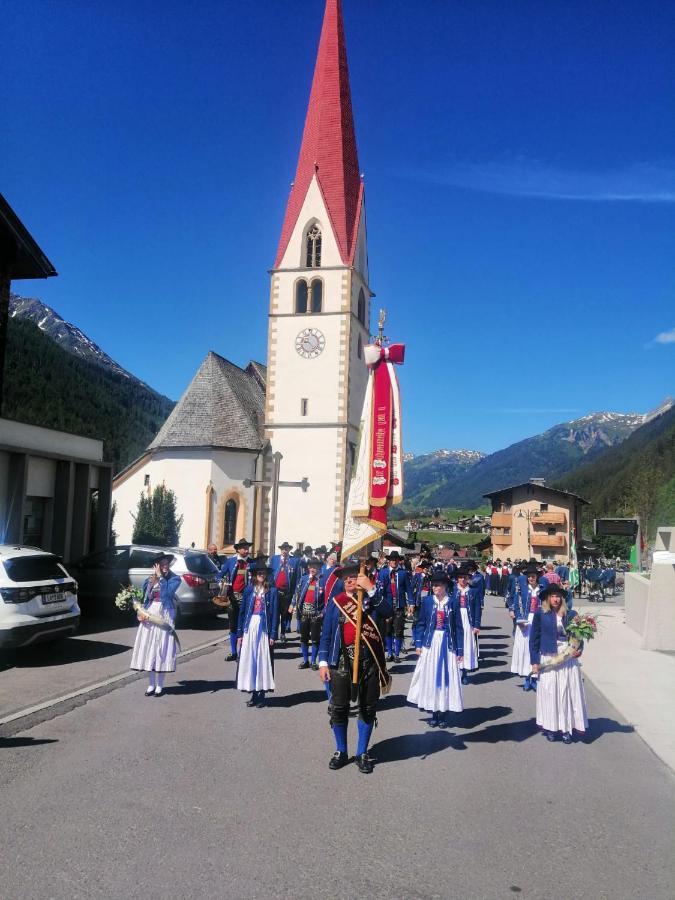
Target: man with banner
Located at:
point(354, 667)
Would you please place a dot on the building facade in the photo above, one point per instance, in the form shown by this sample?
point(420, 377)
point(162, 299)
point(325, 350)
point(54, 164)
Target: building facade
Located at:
point(319, 310)
point(531, 520)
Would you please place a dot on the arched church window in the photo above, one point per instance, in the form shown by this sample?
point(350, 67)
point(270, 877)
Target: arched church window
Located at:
point(313, 247)
point(361, 309)
point(317, 295)
point(301, 297)
point(229, 536)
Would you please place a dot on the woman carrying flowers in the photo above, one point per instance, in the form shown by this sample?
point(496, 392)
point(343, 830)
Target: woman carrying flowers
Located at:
point(155, 646)
point(554, 651)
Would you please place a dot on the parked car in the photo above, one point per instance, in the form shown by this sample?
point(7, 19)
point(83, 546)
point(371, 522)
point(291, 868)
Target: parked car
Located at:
point(101, 575)
point(39, 597)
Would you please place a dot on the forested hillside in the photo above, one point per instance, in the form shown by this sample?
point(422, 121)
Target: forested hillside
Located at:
point(46, 385)
point(636, 477)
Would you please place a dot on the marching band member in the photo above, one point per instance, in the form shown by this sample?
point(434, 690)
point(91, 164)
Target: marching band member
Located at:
point(439, 641)
point(336, 660)
point(309, 603)
point(561, 700)
point(396, 582)
point(525, 604)
point(155, 647)
point(236, 573)
point(470, 611)
point(256, 632)
point(284, 574)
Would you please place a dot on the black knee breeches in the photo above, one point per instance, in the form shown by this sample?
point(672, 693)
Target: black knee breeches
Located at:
point(310, 630)
point(341, 686)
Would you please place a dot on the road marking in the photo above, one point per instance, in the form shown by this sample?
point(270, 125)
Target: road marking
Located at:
point(90, 688)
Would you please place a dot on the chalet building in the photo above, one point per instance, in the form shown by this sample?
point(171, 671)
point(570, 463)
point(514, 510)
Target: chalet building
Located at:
point(531, 520)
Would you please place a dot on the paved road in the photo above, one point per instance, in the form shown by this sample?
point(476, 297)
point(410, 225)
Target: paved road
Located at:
point(194, 795)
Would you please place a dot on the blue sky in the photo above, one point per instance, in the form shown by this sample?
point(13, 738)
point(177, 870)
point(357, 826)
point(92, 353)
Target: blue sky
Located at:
point(520, 180)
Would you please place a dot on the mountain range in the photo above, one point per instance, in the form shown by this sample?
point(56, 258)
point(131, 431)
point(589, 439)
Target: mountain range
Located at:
point(55, 376)
point(442, 479)
point(624, 463)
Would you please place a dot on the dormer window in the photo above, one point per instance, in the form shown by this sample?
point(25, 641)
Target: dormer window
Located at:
point(313, 247)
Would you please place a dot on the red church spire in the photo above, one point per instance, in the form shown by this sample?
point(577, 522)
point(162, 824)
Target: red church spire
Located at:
point(328, 142)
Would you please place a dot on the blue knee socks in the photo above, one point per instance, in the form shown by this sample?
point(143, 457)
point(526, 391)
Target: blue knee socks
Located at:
point(340, 732)
point(233, 643)
point(397, 646)
point(304, 649)
point(315, 653)
point(365, 730)
point(387, 646)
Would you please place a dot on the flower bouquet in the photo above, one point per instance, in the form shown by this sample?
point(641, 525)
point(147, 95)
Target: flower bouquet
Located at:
point(581, 628)
point(129, 598)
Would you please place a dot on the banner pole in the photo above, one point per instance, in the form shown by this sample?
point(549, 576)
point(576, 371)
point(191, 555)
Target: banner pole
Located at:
point(359, 622)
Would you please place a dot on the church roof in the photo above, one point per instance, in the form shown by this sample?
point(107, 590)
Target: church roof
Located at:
point(329, 142)
point(223, 406)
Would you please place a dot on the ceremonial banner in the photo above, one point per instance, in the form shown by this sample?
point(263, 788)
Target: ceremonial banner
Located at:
point(377, 475)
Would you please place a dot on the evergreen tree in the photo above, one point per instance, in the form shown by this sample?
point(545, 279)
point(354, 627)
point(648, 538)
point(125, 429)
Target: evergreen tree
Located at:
point(143, 532)
point(157, 523)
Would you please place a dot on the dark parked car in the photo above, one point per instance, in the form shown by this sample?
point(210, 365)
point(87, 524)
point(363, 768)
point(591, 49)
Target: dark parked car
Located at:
point(101, 576)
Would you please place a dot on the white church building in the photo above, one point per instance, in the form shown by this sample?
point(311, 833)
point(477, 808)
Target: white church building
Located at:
point(306, 403)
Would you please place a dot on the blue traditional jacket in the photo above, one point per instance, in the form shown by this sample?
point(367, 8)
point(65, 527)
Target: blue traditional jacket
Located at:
point(544, 634)
point(379, 608)
point(420, 582)
point(167, 592)
point(291, 566)
point(426, 624)
point(404, 593)
point(301, 592)
point(271, 611)
point(474, 606)
point(522, 599)
point(338, 584)
point(229, 567)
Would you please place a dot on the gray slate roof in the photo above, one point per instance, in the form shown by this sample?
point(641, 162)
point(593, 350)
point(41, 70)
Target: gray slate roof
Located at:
point(224, 406)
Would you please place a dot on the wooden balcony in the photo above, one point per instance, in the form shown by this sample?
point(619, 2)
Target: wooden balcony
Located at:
point(502, 540)
point(502, 520)
point(547, 540)
point(549, 518)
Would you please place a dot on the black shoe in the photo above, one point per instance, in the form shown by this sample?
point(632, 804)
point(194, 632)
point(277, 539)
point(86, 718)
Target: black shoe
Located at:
point(232, 657)
point(397, 659)
point(434, 722)
point(260, 703)
point(304, 665)
point(390, 658)
point(315, 667)
point(364, 763)
point(252, 701)
point(566, 738)
point(550, 736)
point(465, 679)
point(338, 760)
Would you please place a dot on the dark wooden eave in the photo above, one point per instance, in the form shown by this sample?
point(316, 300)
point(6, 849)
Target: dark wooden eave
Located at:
point(20, 256)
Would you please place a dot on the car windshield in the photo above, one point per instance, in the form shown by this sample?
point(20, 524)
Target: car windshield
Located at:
point(200, 564)
point(33, 568)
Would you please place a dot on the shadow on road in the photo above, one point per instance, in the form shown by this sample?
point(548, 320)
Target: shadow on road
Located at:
point(504, 731)
point(490, 663)
point(486, 677)
point(598, 727)
point(415, 746)
point(199, 686)
point(61, 653)
point(7, 743)
point(478, 715)
point(484, 645)
point(296, 699)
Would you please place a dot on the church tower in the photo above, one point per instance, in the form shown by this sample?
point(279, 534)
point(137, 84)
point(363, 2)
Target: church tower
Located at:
point(319, 309)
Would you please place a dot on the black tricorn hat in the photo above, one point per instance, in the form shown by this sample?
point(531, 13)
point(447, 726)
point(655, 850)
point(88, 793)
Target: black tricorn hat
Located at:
point(161, 556)
point(552, 589)
point(242, 542)
point(285, 546)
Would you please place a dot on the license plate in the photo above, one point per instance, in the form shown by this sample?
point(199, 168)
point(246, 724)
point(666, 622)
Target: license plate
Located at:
point(53, 598)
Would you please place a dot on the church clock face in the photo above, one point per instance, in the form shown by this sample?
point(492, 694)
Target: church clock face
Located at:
point(310, 343)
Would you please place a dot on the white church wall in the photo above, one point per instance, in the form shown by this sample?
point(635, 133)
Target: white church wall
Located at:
point(312, 208)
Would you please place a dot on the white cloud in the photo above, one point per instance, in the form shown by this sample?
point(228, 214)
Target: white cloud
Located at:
point(666, 337)
point(640, 183)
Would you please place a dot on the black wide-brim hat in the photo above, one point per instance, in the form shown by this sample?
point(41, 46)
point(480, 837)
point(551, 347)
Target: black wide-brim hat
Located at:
point(348, 567)
point(259, 564)
point(316, 563)
point(439, 578)
point(463, 572)
point(530, 570)
point(552, 589)
point(395, 555)
point(242, 542)
point(285, 546)
point(161, 556)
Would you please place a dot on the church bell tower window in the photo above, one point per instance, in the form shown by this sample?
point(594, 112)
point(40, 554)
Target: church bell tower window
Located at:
point(361, 308)
point(301, 296)
point(313, 247)
point(317, 295)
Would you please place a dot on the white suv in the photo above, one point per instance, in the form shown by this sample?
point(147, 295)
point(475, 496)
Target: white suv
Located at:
point(38, 598)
